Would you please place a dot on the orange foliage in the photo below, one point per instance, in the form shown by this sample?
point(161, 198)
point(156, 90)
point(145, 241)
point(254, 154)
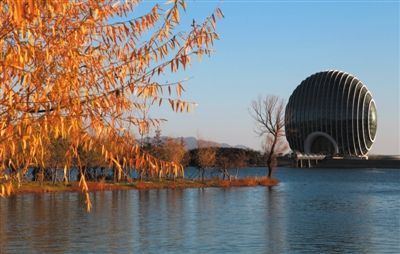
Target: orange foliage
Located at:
point(68, 70)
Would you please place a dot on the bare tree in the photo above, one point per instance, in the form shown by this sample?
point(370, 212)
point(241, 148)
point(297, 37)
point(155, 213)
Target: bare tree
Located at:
point(268, 114)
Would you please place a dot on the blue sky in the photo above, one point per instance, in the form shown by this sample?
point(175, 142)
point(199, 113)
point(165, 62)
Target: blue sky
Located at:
point(269, 47)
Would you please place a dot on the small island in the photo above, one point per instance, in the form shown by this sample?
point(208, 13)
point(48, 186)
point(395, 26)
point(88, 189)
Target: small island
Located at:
point(212, 166)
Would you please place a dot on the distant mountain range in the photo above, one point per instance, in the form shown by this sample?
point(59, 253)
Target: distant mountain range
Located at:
point(191, 143)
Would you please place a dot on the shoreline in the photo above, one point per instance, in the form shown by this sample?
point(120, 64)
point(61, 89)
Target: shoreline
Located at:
point(49, 187)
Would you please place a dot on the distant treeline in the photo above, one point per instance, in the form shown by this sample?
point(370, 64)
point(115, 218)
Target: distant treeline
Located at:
point(229, 157)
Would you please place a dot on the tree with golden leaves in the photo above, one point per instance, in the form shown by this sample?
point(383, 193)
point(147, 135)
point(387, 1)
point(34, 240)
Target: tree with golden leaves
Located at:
point(82, 70)
point(205, 157)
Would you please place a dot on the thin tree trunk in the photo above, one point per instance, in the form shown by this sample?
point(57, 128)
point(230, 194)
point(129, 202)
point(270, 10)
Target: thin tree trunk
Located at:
point(271, 154)
point(269, 170)
point(202, 174)
point(119, 175)
point(65, 177)
point(41, 175)
point(55, 176)
point(114, 174)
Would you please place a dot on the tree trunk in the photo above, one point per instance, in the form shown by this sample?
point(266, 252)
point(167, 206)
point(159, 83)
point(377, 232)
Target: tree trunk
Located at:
point(202, 174)
point(269, 169)
point(271, 154)
point(41, 175)
point(65, 177)
point(114, 174)
point(119, 174)
point(55, 175)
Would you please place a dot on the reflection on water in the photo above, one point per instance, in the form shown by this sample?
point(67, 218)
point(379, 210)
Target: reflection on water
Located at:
point(311, 211)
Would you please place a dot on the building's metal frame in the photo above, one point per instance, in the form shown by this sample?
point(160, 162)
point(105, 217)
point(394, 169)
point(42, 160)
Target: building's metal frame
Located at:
point(335, 103)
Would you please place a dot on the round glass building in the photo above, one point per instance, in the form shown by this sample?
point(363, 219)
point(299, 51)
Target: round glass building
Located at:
point(332, 113)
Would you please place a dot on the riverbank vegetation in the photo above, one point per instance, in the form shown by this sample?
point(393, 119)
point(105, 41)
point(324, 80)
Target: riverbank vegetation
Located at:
point(216, 167)
point(50, 187)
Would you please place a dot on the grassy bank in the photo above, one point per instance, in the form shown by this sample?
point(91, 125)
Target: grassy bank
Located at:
point(36, 187)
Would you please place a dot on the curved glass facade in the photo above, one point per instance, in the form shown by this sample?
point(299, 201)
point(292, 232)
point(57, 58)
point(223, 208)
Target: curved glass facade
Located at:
point(335, 103)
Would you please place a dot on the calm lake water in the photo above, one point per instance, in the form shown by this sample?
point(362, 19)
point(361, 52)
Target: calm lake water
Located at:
point(311, 211)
